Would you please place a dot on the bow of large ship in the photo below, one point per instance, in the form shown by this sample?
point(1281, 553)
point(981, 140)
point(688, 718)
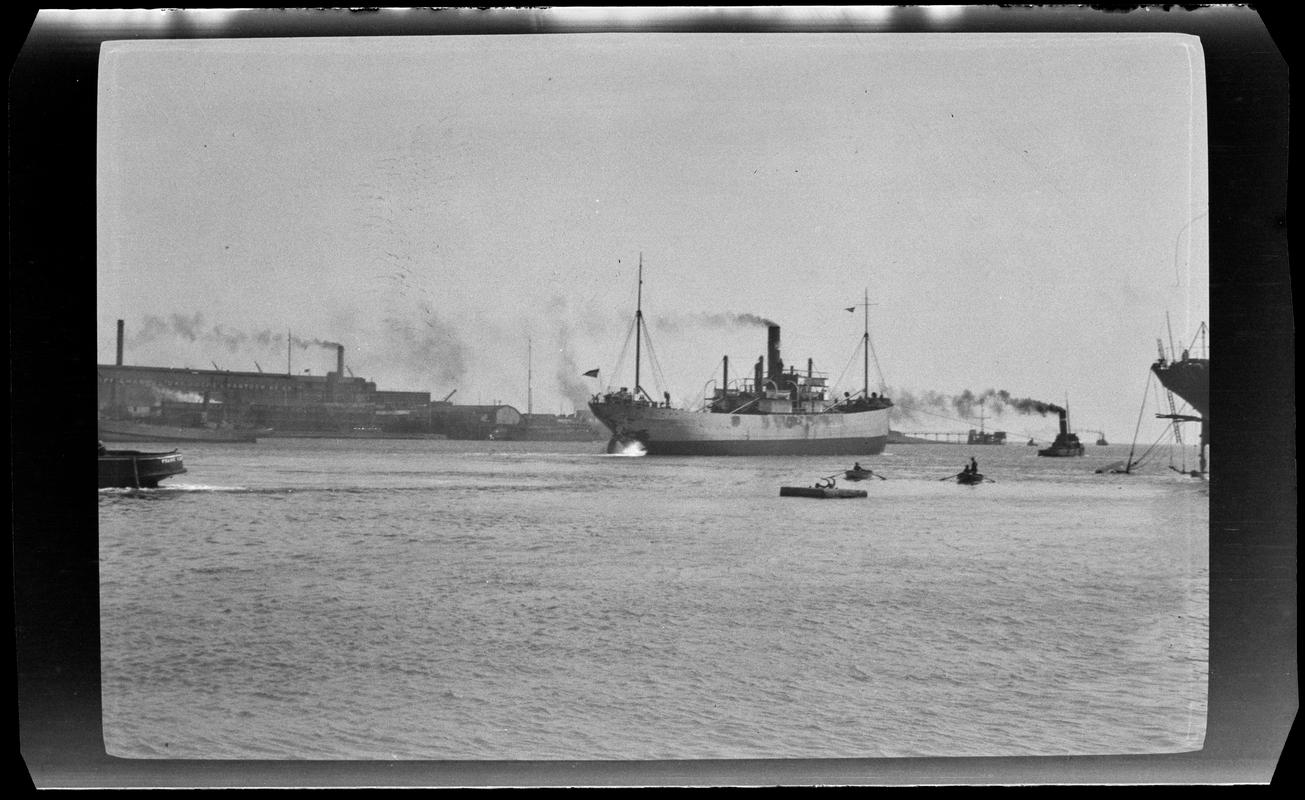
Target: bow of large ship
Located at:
point(1188, 378)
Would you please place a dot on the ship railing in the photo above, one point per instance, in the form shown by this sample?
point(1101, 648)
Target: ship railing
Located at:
point(709, 397)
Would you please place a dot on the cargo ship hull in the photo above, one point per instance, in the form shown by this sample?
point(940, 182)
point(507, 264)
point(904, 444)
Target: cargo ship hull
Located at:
point(666, 431)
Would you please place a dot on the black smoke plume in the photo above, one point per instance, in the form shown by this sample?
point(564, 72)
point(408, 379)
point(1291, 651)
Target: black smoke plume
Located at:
point(969, 404)
point(671, 323)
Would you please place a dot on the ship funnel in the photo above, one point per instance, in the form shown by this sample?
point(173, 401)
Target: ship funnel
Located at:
point(339, 360)
point(119, 362)
point(776, 366)
point(1064, 420)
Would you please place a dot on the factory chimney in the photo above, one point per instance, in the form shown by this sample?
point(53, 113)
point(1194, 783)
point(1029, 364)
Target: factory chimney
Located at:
point(119, 361)
point(776, 367)
point(339, 360)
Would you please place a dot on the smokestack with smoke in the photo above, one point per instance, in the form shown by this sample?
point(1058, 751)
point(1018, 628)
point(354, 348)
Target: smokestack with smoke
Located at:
point(776, 366)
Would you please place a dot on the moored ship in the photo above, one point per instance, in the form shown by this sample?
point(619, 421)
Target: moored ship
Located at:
point(115, 430)
point(1189, 378)
point(778, 412)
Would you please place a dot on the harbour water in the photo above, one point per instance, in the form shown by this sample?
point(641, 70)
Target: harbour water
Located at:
point(382, 599)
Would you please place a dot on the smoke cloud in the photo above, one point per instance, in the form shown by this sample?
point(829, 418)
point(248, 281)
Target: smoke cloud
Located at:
point(569, 375)
point(672, 323)
point(161, 393)
point(429, 348)
point(417, 351)
point(194, 328)
point(970, 404)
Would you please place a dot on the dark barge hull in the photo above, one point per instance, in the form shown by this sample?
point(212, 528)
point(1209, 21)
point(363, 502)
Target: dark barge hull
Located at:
point(132, 469)
point(820, 492)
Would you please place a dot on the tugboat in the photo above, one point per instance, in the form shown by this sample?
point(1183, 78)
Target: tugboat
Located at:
point(1066, 443)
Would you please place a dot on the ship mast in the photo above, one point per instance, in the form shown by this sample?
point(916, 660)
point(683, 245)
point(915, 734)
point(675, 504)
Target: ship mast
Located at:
point(865, 347)
point(638, 329)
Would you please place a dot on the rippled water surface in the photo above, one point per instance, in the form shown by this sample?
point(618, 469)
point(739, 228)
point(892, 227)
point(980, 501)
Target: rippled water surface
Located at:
point(353, 599)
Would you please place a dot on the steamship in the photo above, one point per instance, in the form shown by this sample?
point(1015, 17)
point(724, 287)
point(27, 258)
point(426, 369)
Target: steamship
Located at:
point(778, 412)
point(1066, 443)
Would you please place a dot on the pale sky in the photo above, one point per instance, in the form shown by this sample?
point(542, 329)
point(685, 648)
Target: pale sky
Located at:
point(1023, 209)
